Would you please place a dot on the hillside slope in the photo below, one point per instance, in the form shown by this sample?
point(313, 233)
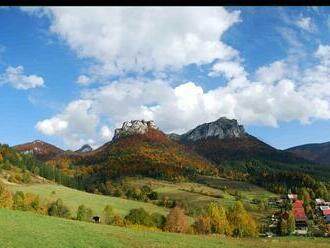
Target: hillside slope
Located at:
point(44, 231)
point(319, 153)
point(73, 198)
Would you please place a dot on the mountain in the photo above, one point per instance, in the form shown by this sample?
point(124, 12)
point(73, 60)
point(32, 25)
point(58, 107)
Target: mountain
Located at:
point(138, 148)
point(85, 148)
point(226, 140)
point(41, 150)
point(318, 152)
point(222, 128)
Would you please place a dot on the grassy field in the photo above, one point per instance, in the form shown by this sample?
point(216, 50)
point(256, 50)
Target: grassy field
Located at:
point(200, 195)
point(73, 198)
point(25, 230)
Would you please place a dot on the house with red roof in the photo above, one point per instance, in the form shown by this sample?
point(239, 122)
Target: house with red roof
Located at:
point(299, 214)
point(326, 212)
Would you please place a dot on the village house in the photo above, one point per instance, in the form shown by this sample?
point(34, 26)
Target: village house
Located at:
point(299, 215)
point(319, 201)
point(292, 197)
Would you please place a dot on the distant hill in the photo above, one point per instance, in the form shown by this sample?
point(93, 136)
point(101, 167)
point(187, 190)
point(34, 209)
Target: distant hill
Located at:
point(85, 148)
point(39, 149)
point(318, 152)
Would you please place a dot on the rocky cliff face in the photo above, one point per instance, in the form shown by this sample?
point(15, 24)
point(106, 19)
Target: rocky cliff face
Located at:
point(222, 128)
point(134, 127)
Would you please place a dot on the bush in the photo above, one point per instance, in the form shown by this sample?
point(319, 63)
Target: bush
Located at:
point(84, 214)
point(139, 216)
point(202, 225)
point(28, 202)
point(108, 215)
point(118, 220)
point(158, 220)
point(26, 178)
point(58, 209)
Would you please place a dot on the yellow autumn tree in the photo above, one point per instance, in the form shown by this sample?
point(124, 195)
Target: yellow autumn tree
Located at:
point(219, 221)
point(243, 225)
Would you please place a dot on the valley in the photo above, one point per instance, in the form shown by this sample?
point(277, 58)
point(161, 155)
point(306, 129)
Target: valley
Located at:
point(212, 184)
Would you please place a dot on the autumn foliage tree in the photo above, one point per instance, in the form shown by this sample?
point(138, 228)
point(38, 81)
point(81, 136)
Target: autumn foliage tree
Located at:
point(6, 200)
point(243, 225)
point(176, 221)
point(219, 221)
point(202, 225)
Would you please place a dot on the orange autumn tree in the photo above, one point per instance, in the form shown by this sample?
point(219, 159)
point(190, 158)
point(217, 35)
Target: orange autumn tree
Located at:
point(176, 221)
point(6, 199)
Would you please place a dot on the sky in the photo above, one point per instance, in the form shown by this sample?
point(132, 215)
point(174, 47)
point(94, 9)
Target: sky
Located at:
point(71, 75)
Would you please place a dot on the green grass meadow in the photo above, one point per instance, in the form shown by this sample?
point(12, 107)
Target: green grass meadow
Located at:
point(73, 198)
point(26, 230)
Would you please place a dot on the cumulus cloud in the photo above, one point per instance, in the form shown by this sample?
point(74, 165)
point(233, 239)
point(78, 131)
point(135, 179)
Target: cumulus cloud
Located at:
point(76, 124)
point(180, 108)
point(165, 40)
point(306, 24)
point(228, 69)
point(15, 77)
point(126, 39)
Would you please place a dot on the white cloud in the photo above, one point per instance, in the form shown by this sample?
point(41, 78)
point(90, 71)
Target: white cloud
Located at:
point(323, 54)
point(106, 133)
point(182, 107)
point(76, 124)
point(129, 39)
point(52, 126)
point(15, 77)
point(272, 73)
point(306, 24)
point(84, 80)
point(228, 69)
point(172, 38)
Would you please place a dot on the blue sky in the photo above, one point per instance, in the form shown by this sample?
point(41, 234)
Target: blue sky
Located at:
point(69, 76)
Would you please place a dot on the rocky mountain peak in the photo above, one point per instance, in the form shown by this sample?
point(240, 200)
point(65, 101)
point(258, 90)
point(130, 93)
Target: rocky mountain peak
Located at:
point(85, 148)
point(222, 128)
point(134, 127)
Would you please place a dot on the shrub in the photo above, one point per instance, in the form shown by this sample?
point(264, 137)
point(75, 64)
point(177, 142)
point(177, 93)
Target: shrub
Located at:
point(118, 220)
point(83, 213)
point(58, 209)
point(202, 225)
point(139, 216)
point(108, 215)
point(26, 178)
point(158, 220)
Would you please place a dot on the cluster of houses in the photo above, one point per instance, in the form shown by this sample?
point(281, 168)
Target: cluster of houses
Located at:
point(324, 209)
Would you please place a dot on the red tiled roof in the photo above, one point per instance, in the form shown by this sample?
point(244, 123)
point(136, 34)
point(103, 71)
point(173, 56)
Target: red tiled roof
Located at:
point(299, 213)
point(326, 212)
point(298, 204)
